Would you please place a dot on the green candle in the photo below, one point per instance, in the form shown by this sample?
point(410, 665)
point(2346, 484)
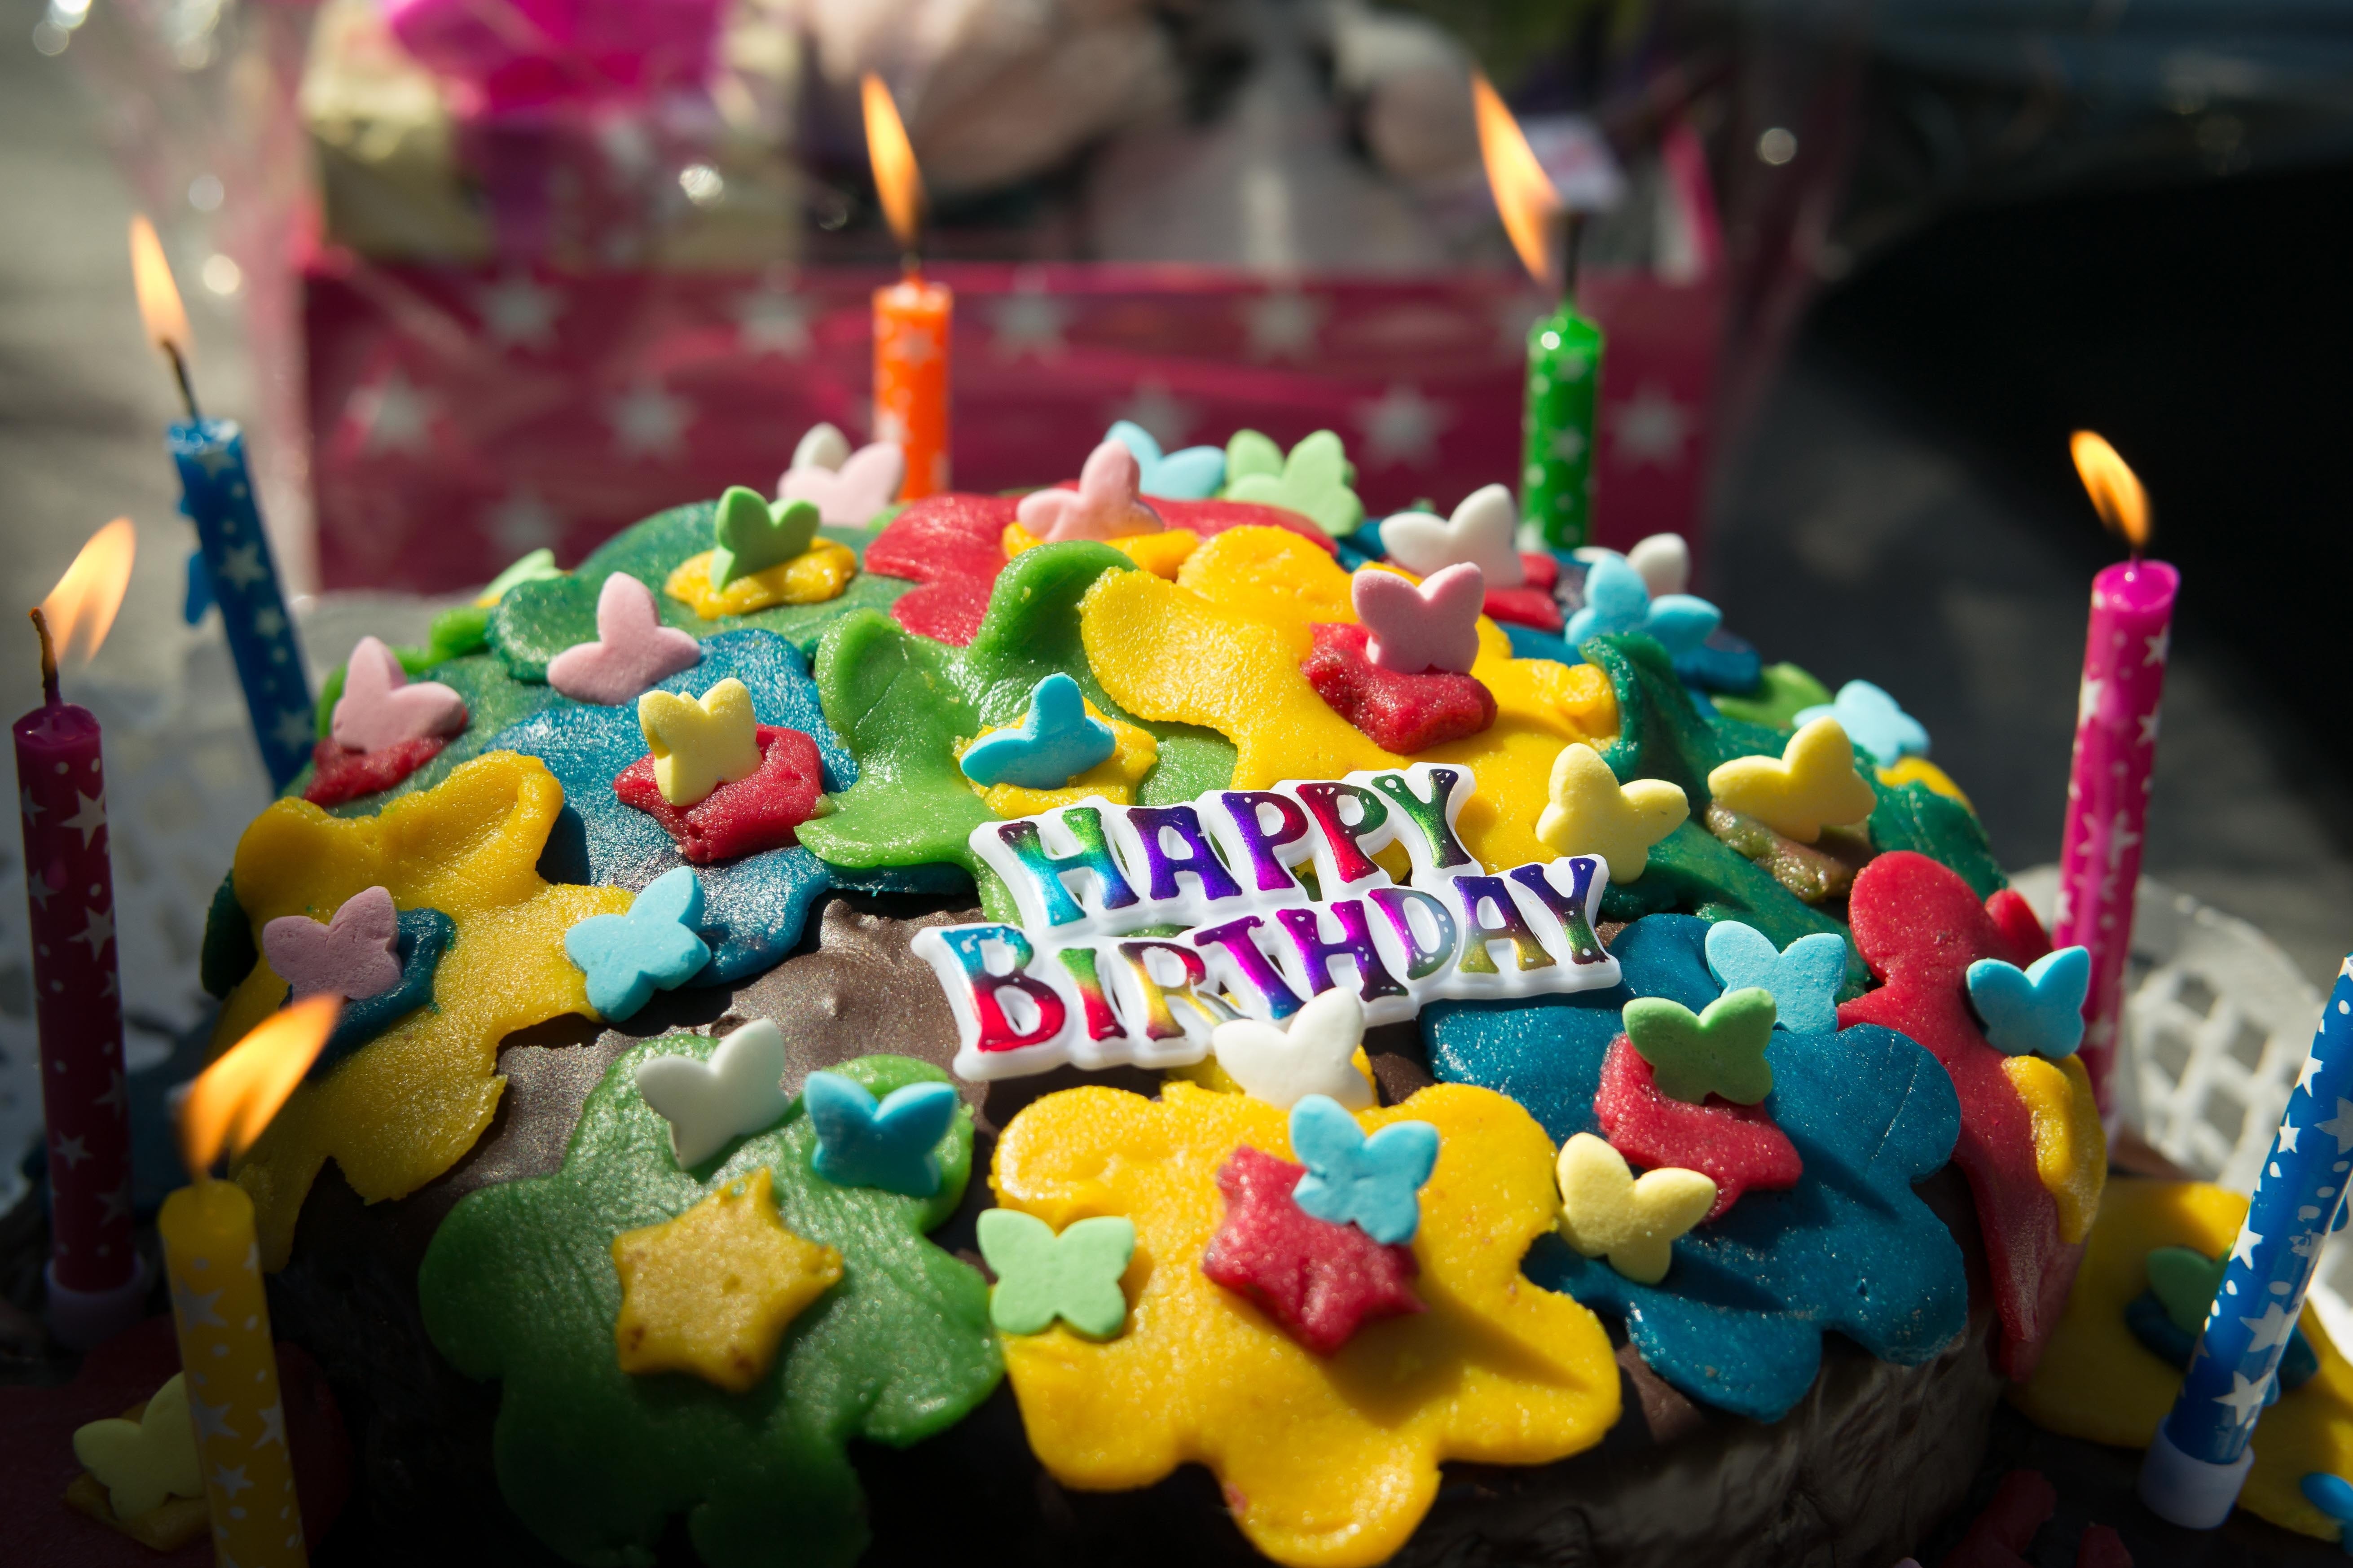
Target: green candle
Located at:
point(1564, 389)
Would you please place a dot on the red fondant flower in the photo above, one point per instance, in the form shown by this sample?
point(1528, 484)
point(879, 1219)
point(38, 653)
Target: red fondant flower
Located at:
point(1737, 1146)
point(760, 811)
point(338, 774)
point(1320, 1281)
point(1398, 712)
point(1920, 927)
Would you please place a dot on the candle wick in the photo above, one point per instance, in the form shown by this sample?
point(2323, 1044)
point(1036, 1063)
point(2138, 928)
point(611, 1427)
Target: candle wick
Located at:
point(48, 658)
point(180, 374)
point(911, 266)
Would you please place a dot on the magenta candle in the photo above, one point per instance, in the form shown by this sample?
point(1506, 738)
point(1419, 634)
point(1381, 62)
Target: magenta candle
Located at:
point(2107, 791)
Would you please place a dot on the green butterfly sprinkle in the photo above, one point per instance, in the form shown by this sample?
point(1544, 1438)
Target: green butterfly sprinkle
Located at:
point(751, 533)
point(1041, 1276)
point(1720, 1051)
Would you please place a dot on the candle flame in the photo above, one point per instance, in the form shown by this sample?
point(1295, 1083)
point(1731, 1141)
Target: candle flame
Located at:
point(896, 179)
point(84, 602)
point(233, 1099)
point(2116, 490)
point(1523, 192)
point(159, 297)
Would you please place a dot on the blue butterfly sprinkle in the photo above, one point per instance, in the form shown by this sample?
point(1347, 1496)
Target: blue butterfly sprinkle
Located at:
point(2035, 1011)
point(890, 1145)
point(1191, 474)
point(2332, 1496)
point(653, 947)
point(1618, 601)
point(1804, 981)
point(1874, 721)
point(1056, 740)
point(1369, 1182)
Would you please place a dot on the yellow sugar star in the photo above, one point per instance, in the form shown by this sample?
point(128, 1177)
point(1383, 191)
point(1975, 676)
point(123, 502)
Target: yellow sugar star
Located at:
point(1811, 786)
point(2071, 1148)
point(817, 573)
point(1607, 1211)
point(1221, 646)
point(700, 743)
point(141, 1463)
point(1592, 813)
point(713, 1291)
point(408, 1105)
point(1115, 778)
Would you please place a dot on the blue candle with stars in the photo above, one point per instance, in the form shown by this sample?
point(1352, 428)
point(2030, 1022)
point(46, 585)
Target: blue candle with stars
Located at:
point(216, 493)
point(2200, 1455)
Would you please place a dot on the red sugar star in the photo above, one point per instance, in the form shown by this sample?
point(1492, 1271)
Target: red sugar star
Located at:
point(1531, 604)
point(338, 773)
point(1398, 712)
point(1919, 927)
point(1319, 1282)
point(745, 817)
point(1737, 1146)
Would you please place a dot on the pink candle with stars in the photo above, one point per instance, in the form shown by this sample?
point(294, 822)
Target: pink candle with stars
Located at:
point(2116, 744)
point(94, 1277)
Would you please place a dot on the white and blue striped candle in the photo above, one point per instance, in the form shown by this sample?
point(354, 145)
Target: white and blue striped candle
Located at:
point(2200, 1455)
point(216, 493)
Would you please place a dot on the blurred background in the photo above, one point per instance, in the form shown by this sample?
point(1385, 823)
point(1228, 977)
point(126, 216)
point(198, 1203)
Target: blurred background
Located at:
point(481, 275)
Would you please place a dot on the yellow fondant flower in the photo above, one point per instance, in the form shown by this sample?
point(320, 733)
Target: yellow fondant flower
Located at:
point(1326, 1461)
point(2097, 1382)
point(407, 1106)
point(1220, 647)
point(816, 575)
point(2071, 1148)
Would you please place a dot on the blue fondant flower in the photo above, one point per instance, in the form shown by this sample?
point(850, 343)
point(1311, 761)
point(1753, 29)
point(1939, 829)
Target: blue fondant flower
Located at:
point(1738, 1319)
point(1192, 474)
point(1874, 721)
point(753, 907)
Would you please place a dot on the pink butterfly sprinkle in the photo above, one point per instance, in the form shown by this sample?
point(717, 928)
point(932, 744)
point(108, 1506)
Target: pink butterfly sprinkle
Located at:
point(849, 496)
point(633, 650)
point(1104, 506)
point(380, 708)
point(1432, 625)
point(350, 956)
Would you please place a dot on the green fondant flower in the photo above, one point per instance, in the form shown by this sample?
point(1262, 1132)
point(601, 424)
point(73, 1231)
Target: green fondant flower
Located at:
point(520, 1285)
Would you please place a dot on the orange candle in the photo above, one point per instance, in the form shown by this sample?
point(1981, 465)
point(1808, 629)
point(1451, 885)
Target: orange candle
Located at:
point(911, 316)
point(214, 1269)
point(911, 378)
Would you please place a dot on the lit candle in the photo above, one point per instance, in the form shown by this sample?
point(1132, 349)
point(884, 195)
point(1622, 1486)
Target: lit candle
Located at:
point(2200, 1455)
point(96, 1280)
point(912, 316)
point(2125, 653)
point(213, 1267)
point(216, 494)
point(1564, 382)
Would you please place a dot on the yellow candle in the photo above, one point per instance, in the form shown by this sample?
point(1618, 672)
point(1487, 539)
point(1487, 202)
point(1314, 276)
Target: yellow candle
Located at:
point(214, 1269)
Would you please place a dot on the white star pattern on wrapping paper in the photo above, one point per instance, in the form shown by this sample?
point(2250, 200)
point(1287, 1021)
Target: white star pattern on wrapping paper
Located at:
point(1029, 324)
point(113, 1097)
point(2148, 723)
point(1153, 406)
point(269, 622)
point(88, 817)
point(273, 1427)
point(2243, 1249)
point(211, 1420)
point(31, 808)
point(2245, 1399)
point(115, 1203)
point(522, 522)
point(73, 1150)
point(2271, 1329)
point(195, 1310)
point(1282, 326)
point(2340, 1126)
point(241, 568)
point(98, 933)
point(2087, 700)
point(771, 321)
point(649, 422)
point(515, 310)
point(231, 1479)
point(294, 728)
point(2288, 1133)
point(2306, 1074)
point(1652, 429)
point(2159, 646)
point(393, 415)
point(1401, 425)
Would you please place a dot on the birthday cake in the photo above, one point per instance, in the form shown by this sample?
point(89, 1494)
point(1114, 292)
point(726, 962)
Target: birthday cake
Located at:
point(1157, 1020)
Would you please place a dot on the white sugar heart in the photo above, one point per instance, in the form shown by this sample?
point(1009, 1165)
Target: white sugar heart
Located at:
point(1314, 1055)
point(847, 493)
point(1664, 559)
point(822, 446)
point(1483, 532)
point(738, 1092)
